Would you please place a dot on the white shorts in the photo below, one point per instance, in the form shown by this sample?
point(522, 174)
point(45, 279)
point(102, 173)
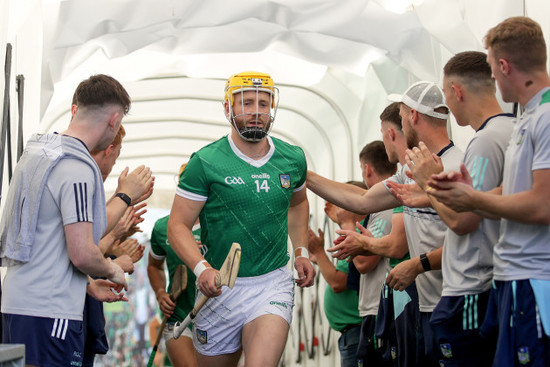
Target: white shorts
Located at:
point(168, 332)
point(219, 324)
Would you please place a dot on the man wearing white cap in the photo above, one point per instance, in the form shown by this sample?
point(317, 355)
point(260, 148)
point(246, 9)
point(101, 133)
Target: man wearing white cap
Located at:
point(424, 115)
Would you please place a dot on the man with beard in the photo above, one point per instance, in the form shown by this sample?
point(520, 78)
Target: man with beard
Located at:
point(424, 115)
point(467, 261)
point(249, 188)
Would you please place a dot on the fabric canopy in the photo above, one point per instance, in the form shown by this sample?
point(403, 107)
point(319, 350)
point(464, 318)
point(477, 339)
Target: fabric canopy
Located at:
point(335, 61)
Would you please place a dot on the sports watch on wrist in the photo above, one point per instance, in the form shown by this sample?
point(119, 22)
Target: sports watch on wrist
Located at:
point(124, 198)
point(425, 262)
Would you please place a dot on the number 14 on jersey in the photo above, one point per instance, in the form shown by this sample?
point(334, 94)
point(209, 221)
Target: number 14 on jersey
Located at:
point(264, 185)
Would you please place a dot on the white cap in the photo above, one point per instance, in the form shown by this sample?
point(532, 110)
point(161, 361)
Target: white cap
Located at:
point(425, 97)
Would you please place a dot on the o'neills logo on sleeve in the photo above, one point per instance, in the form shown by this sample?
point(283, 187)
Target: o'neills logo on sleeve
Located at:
point(285, 181)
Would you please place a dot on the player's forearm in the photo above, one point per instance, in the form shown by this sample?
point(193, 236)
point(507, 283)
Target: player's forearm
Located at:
point(115, 210)
point(460, 223)
point(348, 197)
point(385, 246)
point(394, 245)
point(366, 264)
point(435, 258)
point(183, 243)
point(90, 261)
point(433, 263)
point(298, 217)
point(106, 243)
point(156, 278)
point(334, 278)
point(524, 207)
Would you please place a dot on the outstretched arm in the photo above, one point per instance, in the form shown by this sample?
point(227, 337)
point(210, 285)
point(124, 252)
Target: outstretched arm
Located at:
point(529, 206)
point(351, 243)
point(351, 197)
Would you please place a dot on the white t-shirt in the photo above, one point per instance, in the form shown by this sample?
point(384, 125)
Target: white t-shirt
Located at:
point(426, 232)
point(49, 285)
point(467, 262)
point(523, 250)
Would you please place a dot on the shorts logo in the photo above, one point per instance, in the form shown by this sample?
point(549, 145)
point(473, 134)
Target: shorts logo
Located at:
point(446, 350)
point(285, 181)
point(280, 304)
point(77, 359)
point(232, 180)
point(523, 355)
point(202, 336)
point(393, 352)
point(59, 329)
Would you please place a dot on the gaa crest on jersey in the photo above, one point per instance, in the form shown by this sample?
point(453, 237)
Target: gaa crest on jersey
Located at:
point(523, 355)
point(446, 350)
point(202, 336)
point(285, 181)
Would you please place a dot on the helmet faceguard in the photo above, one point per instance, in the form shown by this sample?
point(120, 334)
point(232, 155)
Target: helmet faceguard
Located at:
point(251, 82)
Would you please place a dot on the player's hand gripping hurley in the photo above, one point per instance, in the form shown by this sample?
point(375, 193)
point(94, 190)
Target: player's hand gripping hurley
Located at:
point(179, 284)
point(226, 276)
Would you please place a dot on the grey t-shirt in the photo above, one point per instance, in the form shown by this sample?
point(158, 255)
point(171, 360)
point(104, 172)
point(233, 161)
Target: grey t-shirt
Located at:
point(370, 284)
point(467, 262)
point(523, 250)
point(49, 285)
point(426, 232)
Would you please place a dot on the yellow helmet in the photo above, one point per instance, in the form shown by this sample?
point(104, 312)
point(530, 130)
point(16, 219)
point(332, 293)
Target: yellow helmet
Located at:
point(249, 80)
point(256, 82)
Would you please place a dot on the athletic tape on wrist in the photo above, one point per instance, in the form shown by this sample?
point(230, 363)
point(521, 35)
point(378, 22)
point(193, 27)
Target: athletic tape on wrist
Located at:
point(199, 268)
point(301, 252)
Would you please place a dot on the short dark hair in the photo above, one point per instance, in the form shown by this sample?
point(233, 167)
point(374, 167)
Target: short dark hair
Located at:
point(99, 90)
point(391, 114)
point(360, 184)
point(374, 153)
point(472, 68)
point(519, 40)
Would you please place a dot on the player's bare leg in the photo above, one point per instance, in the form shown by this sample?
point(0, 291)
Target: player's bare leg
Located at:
point(224, 360)
point(181, 352)
point(264, 341)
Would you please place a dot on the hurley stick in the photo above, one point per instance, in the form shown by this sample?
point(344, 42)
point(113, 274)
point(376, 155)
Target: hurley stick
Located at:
point(226, 276)
point(179, 283)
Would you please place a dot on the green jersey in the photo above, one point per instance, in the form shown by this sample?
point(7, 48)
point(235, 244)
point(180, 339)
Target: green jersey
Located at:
point(160, 250)
point(246, 201)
